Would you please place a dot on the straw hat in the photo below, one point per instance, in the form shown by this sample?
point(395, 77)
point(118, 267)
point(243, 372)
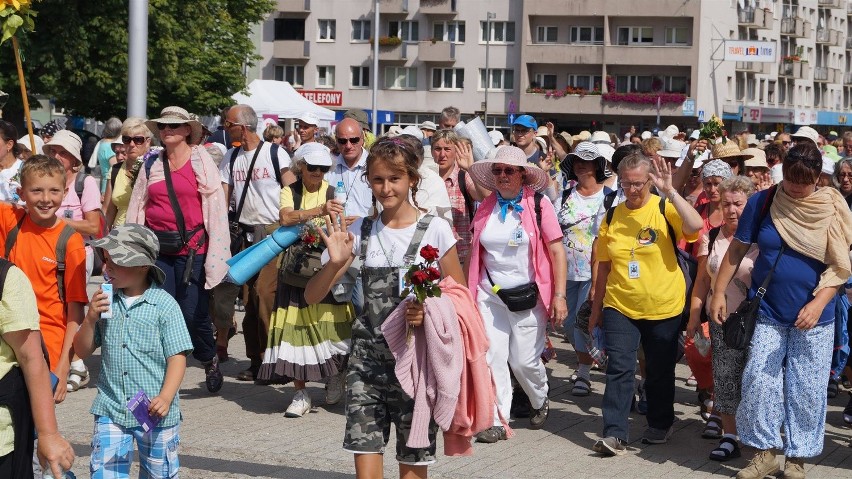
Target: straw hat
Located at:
point(727, 149)
point(535, 177)
point(175, 115)
point(758, 158)
point(68, 140)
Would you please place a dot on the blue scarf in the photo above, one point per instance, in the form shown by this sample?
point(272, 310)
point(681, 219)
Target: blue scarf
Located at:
point(505, 204)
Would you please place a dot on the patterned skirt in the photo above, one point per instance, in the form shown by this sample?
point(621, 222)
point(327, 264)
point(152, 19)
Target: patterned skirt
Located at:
point(306, 342)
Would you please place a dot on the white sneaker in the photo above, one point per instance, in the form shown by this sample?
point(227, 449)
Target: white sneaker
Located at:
point(335, 387)
point(300, 406)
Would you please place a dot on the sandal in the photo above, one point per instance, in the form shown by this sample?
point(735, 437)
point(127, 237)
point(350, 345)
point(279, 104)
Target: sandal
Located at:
point(77, 378)
point(573, 377)
point(847, 412)
point(582, 387)
point(722, 453)
point(833, 388)
point(713, 428)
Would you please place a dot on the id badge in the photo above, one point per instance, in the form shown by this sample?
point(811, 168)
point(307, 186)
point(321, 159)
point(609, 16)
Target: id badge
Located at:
point(517, 237)
point(401, 286)
point(68, 214)
point(633, 269)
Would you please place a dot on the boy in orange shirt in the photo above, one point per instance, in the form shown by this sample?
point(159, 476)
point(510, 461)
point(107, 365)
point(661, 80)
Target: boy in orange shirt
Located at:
point(34, 252)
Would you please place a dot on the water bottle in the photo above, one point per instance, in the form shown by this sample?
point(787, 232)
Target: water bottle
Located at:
point(340, 195)
point(702, 344)
point(48, 474)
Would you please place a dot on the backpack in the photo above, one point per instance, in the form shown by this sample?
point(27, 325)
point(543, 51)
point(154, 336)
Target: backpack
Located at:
point(113, 173)
point(79, 186)
point(61, 248)
point(273, 153)
point(609, 199)
point(296, 189)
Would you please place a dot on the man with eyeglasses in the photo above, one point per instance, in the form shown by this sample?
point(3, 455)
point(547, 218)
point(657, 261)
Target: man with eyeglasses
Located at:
point(523, 135)
point(785, 140)
point(253, 174)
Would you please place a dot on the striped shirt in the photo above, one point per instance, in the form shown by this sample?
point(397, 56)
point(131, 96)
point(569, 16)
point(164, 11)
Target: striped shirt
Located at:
point(135, 344)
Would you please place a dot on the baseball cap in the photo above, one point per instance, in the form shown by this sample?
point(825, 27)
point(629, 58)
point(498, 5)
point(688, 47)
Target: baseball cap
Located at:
point(429, 125)
point(314, 153)
point(309, 118)
point(358, 115)
point(526, 121)
point(131, 245)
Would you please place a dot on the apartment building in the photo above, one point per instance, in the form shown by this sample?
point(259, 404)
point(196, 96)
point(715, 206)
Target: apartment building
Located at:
point(581, 64)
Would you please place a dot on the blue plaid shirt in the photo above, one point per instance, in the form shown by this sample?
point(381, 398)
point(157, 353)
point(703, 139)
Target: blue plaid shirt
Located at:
point(135, 344)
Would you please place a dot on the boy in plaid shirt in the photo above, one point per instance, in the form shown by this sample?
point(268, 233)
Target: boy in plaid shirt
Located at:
point(143, 347)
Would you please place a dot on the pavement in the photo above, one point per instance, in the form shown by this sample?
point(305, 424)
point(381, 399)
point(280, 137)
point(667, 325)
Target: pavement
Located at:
point(242, 433)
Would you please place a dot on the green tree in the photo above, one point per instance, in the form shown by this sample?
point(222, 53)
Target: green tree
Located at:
point(78, 55)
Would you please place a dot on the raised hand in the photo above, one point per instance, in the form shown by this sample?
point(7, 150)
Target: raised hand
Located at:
point(338, 240)
point(464, 155)
point(661, 175)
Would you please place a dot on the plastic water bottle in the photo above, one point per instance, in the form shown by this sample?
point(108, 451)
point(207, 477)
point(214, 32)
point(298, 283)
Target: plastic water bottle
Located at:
point(340, 195)
point(702, 344)
point(48, 474)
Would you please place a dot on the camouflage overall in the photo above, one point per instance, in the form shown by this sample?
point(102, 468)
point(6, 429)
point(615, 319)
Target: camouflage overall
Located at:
point(375, 400)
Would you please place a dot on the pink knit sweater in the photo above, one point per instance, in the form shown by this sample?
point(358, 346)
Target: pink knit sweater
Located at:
point(428, 368)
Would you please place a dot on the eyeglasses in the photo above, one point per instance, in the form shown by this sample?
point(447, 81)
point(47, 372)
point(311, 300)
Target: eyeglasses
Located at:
point(169, 126)
point(138, 140)
point(354, 141)
point(228, 124)
point(509, 171)
point(845, 175)
point(521, 131)
point(313, 168)
point(636, 185)
point(785, 143)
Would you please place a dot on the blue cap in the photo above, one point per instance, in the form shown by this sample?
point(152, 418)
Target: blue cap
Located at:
point(526, 121)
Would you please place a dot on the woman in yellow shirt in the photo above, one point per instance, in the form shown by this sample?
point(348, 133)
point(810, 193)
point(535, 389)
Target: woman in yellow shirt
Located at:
point(136, 138)
point(639, 296)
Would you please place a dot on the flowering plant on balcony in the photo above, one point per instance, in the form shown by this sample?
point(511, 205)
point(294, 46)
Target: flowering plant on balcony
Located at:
point(610, 84)
point(388, 41)
point(791, 58)
point(559, 93)
point(643, 98)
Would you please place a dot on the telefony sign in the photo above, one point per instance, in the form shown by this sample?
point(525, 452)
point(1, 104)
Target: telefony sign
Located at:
point(323, 97)
point(750, 51)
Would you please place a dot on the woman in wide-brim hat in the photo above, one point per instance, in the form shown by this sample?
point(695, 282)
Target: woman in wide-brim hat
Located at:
point(198, 263)
point(517, 242)
point(731, 154)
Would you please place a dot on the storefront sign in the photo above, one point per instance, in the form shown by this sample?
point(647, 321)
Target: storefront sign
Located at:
point(833, 118)
point(750, 51)
point(752, 114)
point(323, 97)
point(804, 117)
point(776, 115)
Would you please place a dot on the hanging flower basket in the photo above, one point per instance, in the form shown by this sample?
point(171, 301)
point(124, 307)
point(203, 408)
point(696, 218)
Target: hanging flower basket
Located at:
point(644, 98)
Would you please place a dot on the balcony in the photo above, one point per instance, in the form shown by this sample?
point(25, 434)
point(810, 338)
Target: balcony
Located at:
point(438, 7)
point(793, 26)
point(591, 105)
point(294, 6)
point(837, 38)
point(750, 67)
point(796, 70)
point(823, 36)
point(393, 7)
point(828, 3)
point(430, 51)
point(291, 49)
point(849, 41)
point(835, 75)
point(821, 74)
point(563, 54)
point(664, 56)
point(753, 17)
point(393, 53)
point(847, 78)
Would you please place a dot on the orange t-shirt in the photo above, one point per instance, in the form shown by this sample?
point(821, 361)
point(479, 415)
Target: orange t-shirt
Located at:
point(34, 253)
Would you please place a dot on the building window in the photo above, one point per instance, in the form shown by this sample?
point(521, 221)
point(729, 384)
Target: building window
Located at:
point(400, 78)
point(289, 29)
point(587, 35)
point(588, 82)
point(635, 35)
point(325, 77)
point(448, 32)
point(676, 84)
point(406, 31)
point(360, 77)
point(634, 84)
point(497, 79)
point(327, 30)
point(545, 80)
point(545, 34)
point(361, 30)
point(501, 32)
point(447, 78)
point(677, 36)
point(292, 74)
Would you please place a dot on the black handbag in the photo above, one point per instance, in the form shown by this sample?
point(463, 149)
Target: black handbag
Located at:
point(519, 298)
point(739, 327)
point(238, 232)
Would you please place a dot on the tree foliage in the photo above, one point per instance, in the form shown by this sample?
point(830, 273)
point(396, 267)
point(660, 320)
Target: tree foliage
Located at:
point(197, 51)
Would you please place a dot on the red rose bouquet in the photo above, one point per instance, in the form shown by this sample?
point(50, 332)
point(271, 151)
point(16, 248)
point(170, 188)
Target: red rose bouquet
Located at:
point(422, 278)
point(310, 236)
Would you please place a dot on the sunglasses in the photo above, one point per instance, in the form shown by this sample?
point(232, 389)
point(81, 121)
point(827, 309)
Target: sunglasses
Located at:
point(169, 126)
point(138, 140)
point(354, 141)
point(508, 171)
point(228, 124)
point(313, 168)
point(785, 143)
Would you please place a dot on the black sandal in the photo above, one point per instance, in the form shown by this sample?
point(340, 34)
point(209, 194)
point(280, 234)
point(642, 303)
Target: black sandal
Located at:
point(713, 428)
point(722, 454)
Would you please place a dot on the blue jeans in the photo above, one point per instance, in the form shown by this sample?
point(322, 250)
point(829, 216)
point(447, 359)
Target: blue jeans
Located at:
point(193, 301)
point(576, 293)
point(659, 340)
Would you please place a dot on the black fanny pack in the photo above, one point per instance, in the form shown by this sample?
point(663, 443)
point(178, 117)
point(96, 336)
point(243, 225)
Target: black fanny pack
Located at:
point(519, 298)
point(172, 242)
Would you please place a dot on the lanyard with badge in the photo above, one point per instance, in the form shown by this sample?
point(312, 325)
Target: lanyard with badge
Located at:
point(644, 237)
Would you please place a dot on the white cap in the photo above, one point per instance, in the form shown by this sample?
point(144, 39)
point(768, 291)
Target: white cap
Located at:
point(646, 134)
point(413, 131)
point(671, 148)
point(394, 130)
point(827, 165)
point(496, 137)
point(694, 135)
point(806, 133)
point(309, 118)
point(670, 132)
point(600, 137)
point(314, 153)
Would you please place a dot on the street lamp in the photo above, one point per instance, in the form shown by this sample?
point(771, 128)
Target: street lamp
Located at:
point(488, 17)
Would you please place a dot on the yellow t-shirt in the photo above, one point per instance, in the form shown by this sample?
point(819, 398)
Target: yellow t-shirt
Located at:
point(121, 192)
point(309, 200)
point(18, 311)
point(659, 291)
